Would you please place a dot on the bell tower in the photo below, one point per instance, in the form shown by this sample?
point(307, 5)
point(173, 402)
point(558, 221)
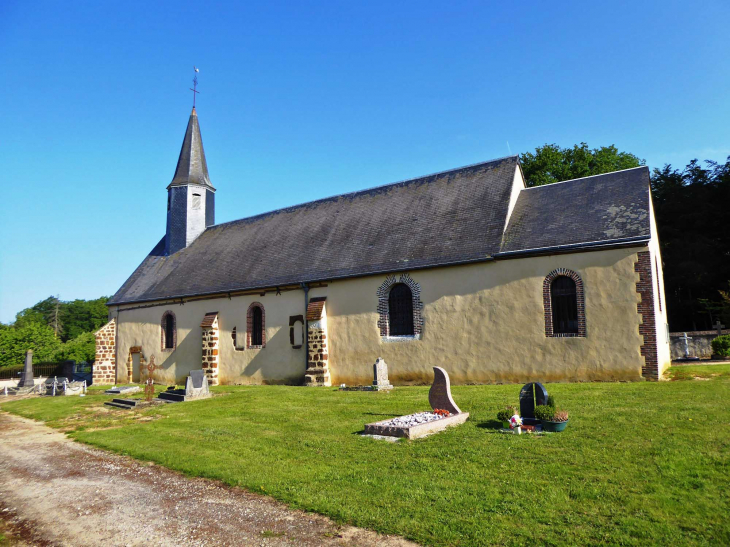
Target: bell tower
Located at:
point(190, 195)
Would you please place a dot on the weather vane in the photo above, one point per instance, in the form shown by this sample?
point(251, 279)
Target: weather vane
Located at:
point(195, 84)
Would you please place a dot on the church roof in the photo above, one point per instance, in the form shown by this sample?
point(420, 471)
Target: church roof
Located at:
point(453, 217)
point(601, 208)
point(191, 165)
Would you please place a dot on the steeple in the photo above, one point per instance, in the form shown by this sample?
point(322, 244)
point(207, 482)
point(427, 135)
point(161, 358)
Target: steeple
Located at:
point(191, 165)
point(190, 195)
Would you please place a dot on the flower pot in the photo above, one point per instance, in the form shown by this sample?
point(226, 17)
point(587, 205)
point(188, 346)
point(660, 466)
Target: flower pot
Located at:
point(553, 427)
point(518, 430)
point(505, 425)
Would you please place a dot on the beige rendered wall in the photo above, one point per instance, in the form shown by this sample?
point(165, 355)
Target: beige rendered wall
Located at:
point(278, 362)
point(482, 323)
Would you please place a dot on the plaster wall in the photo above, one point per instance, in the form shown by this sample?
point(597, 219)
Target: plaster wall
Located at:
point(483, 323)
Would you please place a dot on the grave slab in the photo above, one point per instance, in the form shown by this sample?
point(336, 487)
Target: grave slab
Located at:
point(122, 390)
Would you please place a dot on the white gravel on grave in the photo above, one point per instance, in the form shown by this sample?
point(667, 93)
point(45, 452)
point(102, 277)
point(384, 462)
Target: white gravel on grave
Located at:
point(412, 419)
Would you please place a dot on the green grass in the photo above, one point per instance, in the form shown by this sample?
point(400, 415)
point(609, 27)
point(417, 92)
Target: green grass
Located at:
point(640, 463)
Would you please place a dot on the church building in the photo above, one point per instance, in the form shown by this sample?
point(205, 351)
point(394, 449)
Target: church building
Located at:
point(466, 269)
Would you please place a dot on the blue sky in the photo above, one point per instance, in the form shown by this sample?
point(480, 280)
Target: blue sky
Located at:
point(301, 100)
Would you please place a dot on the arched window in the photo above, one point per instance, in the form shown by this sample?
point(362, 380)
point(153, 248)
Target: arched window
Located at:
point(256, 326)
point(565, 305)
point(169, 331)
point(400, 310)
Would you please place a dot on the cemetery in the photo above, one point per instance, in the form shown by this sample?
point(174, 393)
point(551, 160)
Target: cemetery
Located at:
point(630, 452)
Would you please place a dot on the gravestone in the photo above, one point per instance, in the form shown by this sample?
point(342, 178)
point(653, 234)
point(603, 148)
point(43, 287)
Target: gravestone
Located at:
point(196, 386)
point(26, 380)
point(531, 395)
point(380, 376)
point(687, 356)
point(439, 396)
point(122, 390)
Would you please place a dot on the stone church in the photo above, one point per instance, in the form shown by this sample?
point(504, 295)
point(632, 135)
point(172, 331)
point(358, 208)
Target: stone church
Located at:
point(467, 269)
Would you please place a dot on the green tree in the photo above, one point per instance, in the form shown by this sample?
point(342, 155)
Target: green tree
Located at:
point(67, 319)
point(81, 348)
point(550, 163)
point(14, 342)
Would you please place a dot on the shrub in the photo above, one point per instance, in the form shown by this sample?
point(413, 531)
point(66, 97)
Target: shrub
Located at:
point(506, 413)
point(560, 416)
point(550, 401)
point(721, 345)
point(544, 412)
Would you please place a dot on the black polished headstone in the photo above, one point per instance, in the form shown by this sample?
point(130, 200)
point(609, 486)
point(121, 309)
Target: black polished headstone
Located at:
point(26, 380)
point(530, 394)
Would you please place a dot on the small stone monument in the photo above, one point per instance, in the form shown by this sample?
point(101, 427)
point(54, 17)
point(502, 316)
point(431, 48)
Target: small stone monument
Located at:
point(531, 395)
point(439, 396)
point(196, 387)
point(380, 376)
point(718, 327)
point(26, 380)
point(687, 356)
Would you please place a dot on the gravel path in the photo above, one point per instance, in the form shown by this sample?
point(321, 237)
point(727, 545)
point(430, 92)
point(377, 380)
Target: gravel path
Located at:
point(54, 491)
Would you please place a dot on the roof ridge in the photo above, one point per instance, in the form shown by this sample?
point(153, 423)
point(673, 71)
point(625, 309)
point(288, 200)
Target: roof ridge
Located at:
point(363, 191)
point(588, 177)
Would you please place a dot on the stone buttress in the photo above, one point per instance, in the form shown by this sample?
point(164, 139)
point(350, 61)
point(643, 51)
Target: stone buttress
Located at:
point(318, 373)
point(104, 371)
point(210, 341)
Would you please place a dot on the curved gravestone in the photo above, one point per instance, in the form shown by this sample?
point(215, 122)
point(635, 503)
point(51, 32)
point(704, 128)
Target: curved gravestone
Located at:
point(531, 395)
point(439, 396)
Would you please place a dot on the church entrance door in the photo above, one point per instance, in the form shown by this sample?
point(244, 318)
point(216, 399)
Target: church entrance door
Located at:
point(135, 367)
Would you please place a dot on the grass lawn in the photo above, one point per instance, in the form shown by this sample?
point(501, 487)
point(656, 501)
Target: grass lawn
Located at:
point(640, 463)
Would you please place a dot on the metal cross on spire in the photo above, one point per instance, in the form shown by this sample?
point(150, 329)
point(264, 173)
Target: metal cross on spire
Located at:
point(195, 84)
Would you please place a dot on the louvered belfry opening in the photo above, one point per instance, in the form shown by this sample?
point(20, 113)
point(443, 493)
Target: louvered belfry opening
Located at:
point(257, 328)
point(169, 331)
point(565, 305)
point(400, 310)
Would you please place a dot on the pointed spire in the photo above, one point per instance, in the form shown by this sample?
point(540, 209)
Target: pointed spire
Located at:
point(191, 166)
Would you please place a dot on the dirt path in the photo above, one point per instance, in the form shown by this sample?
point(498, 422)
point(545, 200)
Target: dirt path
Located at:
point(54, 491)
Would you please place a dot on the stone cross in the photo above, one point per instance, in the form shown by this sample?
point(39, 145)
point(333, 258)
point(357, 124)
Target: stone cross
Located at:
point(27, 379)
point(380, 375)
point(686, 344)
point(439, 396)
point(719, 326)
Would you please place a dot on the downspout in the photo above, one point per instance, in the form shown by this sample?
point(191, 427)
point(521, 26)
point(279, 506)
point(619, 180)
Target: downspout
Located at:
point(305, 335)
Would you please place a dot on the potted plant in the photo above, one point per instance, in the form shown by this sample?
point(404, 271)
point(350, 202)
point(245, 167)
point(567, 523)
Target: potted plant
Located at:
point(505, 414)
point(515, 423)
point(553, 420)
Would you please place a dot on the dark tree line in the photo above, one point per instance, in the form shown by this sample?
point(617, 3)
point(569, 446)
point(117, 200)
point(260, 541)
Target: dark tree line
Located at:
point(692, 208)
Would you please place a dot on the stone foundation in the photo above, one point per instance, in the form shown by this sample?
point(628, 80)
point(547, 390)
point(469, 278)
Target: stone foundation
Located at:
point(104, 371)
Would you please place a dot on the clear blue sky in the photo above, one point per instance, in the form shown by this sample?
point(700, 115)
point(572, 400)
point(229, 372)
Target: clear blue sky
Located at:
point(301, 100)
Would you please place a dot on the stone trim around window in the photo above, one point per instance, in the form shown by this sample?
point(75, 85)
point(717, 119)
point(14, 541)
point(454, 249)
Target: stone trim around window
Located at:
point(645, 308)
point(383, 321)
point(548, 305)
point(249, 325)
point(163, 332)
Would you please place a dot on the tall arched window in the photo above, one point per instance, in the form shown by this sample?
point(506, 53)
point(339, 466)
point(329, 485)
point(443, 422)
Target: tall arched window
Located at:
point(564, 300)
point(256, 326)
point(169, 331)
point(400, 310)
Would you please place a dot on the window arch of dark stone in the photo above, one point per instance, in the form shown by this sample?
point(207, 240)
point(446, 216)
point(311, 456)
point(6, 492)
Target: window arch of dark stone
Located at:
point(168, 331)
point(564, 304)
point(256, 326)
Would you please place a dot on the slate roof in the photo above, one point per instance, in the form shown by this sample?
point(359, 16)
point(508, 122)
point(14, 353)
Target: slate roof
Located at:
point(191, 165)
point(593, 209)
point(448, 217)
point(452, 217)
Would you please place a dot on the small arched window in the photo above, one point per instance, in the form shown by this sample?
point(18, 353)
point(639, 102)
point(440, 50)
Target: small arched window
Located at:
point(400, 310)
point(169, 331)
point(256, 326)
point(564, 300)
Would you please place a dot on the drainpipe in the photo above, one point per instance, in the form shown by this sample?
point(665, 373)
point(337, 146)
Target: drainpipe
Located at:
point(305, 335)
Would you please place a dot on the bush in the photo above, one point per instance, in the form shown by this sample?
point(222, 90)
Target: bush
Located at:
point(544, 412)
point(551, 401)
point(721, 345)
point(506, 413)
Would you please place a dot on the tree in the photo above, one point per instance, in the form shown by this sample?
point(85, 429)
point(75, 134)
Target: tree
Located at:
point(81, 348)
point(550, 163)
point(67, 319)
point(15, 342)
